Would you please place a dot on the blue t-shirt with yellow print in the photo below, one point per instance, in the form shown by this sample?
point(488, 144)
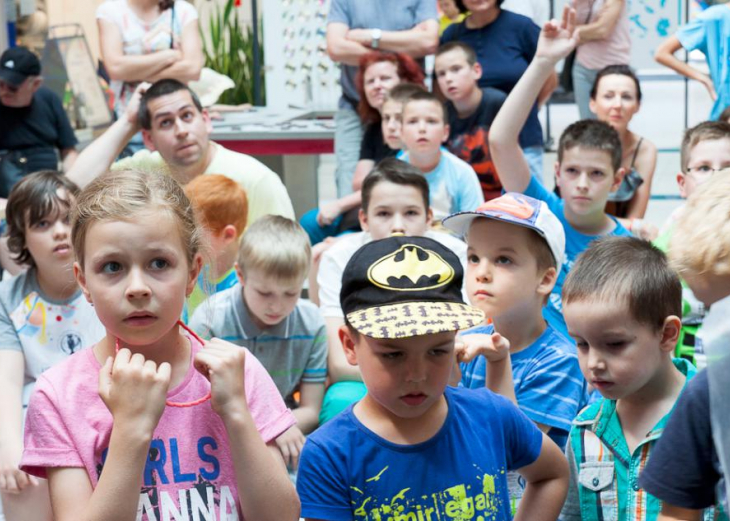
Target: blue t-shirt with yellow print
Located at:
point(347, 472)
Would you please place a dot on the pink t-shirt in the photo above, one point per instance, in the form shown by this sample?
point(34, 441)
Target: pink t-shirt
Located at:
point(613, 50)
point(189, 471)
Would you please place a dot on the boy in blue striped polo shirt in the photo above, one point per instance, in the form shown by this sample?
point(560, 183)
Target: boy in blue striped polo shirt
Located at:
point(622, 304)
point(515, 250)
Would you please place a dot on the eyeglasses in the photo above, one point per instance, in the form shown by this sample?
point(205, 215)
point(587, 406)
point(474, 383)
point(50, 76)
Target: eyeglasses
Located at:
point(704, 171)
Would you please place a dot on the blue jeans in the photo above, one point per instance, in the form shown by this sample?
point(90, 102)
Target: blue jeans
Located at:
point(533, 155)
point(348, 137)
point(583, 79)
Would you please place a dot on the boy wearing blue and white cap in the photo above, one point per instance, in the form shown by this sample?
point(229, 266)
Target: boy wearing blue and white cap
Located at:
point(515, 250)
point(414, 448)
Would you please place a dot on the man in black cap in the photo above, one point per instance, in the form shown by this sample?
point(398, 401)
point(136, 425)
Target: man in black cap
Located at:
point(34, 124)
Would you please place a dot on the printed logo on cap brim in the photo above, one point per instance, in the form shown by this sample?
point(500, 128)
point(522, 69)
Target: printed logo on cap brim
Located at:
point(409, 319)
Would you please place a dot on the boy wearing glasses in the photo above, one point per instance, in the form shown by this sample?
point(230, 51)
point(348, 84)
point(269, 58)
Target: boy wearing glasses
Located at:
point(705, 151)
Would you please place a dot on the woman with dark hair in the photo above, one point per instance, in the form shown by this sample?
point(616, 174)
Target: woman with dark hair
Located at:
point(148, 40)
point(505, 43)
point(615, 97)
point(379, 72)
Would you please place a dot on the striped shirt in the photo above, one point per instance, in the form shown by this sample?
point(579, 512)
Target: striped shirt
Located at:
point(549, 386)
point(293, 351)
point(604, 475)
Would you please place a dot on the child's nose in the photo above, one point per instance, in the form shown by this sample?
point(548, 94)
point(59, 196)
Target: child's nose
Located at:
point(137, 286)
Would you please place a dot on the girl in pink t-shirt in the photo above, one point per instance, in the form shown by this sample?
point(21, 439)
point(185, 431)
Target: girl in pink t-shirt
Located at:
point(98, 427)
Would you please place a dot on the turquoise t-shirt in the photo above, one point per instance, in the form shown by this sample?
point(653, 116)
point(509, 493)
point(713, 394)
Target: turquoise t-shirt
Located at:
point(710, 33)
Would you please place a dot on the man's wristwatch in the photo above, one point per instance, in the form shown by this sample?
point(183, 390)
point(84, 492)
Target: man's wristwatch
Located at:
point(375, 35)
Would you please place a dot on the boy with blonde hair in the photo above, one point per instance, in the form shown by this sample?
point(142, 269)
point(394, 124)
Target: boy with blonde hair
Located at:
point(414, 448)
point(588, 166)
point(221, 206)
point(622, 304)
point(286, 334)
point(453, 184)
point(696, 442)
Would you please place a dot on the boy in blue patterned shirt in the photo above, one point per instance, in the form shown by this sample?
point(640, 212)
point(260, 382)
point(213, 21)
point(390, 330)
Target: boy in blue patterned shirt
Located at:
point(515, 251)
point(622, 304)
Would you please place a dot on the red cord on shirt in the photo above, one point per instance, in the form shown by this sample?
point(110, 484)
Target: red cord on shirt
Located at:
point(168, 402)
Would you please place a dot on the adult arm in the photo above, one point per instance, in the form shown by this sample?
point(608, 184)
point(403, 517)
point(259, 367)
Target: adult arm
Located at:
point(664, 55)
point(421, 40)
point(12, 368)
point(645, 165)
point(96, 158)
point(68, 158)
point(340, 48)
point(603, 24)
point(188, 68)
point(556, 42)
point(136, 67)
point(547, 484)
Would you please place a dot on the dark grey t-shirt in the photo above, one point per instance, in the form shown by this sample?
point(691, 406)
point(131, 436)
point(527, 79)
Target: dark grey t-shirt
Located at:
point(387, 15)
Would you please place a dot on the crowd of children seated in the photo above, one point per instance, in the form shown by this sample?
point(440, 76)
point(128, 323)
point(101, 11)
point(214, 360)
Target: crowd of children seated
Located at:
point(474, 347)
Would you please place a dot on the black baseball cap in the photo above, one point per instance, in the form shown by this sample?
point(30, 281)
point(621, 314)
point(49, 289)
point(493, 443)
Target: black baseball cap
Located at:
point(16, 64)
point(405, 286)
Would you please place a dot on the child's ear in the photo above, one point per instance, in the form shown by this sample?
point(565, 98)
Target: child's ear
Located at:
point(363, 218)
point(547, 283)
point(81, 281)
point(617, 178)
point(348, 344)
point(229, 233)
point(239, 273)
point(670, 333)
point(447, 130)
point(592, 105)
point(477, 70)
point(681, 180)
point(195, 268)
point(429, 216)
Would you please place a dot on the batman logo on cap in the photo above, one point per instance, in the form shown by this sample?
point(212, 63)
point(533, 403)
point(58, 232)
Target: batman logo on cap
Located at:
point(410, 268)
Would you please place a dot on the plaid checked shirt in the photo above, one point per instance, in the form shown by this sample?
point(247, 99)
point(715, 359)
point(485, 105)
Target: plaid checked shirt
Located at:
point(604, 475)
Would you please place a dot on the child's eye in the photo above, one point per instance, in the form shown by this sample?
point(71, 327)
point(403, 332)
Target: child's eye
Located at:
point(598, 174)
point(187, 116)
point(383, 213)
point(111, 267)
point(572, 171)
point(616, 344)
point(290, 294)
point(503, 260)
point(438, 352)
point(264, 294)
point(159, 264)
point(581, 344)
point(473, 259)
point(394, 355)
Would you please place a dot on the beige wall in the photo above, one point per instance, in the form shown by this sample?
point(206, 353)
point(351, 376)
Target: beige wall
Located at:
point(77, 12)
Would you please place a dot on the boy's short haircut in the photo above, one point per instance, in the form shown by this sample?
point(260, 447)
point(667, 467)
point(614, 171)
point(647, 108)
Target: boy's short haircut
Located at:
point(218, 201)
point(157, 90)
point(463, 9)
point(34, 198)
point(700, 242)
point(593, 134)
point(428, 96)
point(403, 92)
point(614, 268)
point(705, 131)
point(621, 70)
point(277, 247)
point(468, 50)
point(394, 171)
